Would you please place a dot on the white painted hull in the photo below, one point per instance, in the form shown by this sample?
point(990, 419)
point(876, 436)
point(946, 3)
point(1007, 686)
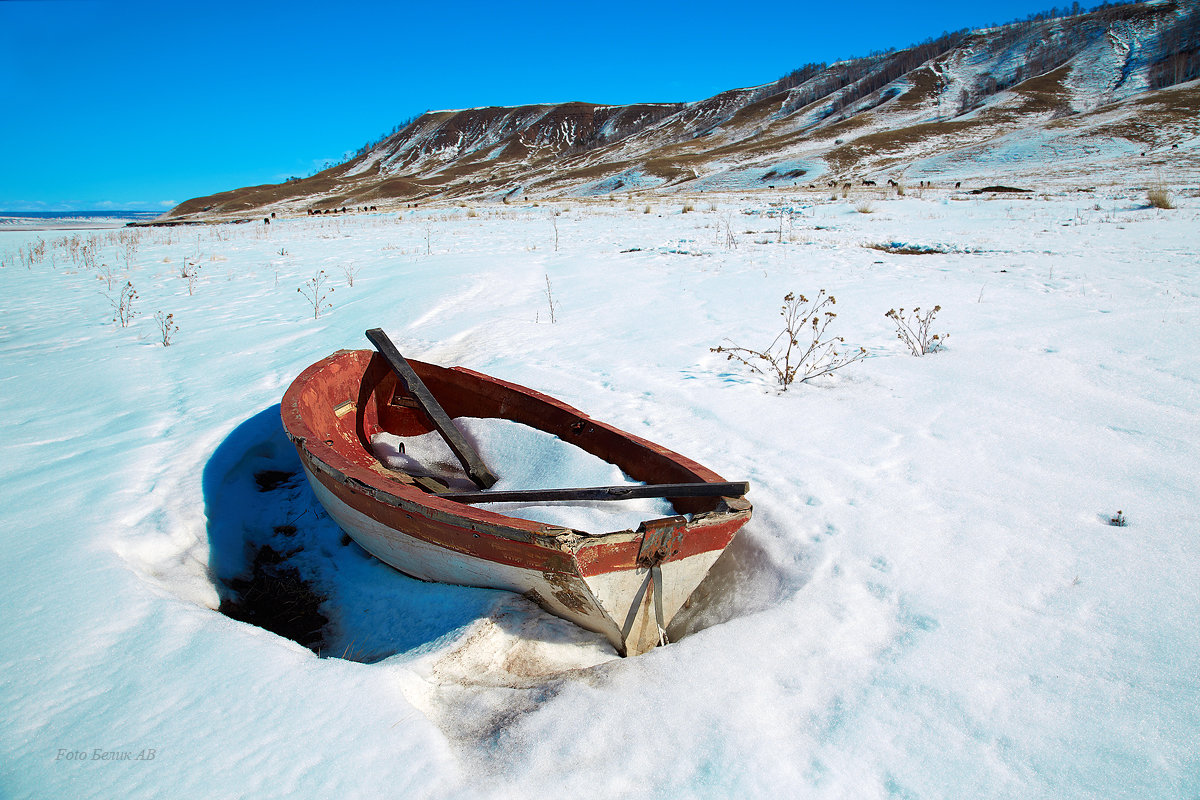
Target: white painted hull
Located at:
point(601, 603)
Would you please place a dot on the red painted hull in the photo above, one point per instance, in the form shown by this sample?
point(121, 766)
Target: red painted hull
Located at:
point(334, 407)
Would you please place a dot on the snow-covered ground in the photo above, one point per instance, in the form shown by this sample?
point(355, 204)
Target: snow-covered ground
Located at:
point(929, 601)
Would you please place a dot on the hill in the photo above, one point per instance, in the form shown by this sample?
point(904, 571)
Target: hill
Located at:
point(1105, 96)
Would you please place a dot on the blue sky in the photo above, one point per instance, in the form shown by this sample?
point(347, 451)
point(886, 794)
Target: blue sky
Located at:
point(142, 105)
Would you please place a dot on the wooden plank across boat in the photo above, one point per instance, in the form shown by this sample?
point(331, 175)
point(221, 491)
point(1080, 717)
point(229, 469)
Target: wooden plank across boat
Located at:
point(626, 585)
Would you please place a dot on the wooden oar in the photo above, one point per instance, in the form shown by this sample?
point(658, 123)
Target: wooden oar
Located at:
point(466, 455)
point(629, 492)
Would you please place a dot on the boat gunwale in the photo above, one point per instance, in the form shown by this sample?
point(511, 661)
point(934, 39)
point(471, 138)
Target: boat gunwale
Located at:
point(377, 483)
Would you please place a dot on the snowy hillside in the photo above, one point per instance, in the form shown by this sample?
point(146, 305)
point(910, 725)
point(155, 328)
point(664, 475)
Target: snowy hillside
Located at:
point(1101, 96)
point(930, 600)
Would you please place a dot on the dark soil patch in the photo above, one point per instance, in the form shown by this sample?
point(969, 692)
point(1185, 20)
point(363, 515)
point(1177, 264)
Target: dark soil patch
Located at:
point(275, 597)
point(269, 480)
point(999, 189)
point(900, 248)
point(788, 175)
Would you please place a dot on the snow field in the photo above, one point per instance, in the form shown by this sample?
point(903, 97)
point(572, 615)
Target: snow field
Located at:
point(929, 601)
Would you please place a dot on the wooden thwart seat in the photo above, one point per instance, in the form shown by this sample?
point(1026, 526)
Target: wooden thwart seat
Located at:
point(626, 492)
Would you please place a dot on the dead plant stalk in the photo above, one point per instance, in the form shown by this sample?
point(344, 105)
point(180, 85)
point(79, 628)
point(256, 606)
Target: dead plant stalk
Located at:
point(800, 352)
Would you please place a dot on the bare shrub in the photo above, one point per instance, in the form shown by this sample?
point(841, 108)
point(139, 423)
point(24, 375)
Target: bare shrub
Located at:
point(915, 331)
point(688, 207)
point(317, 293)
point(88, 252)
point(864, 207)
point(108, 274)
point(190, 273)
point(731, 241)
point(801, 351)
point(349, 270)
point(34, 254)
point(122, 305)
point(131, 240)
point(1159, 197)
point(550, 300)
point(784, 215)
point(166, 326)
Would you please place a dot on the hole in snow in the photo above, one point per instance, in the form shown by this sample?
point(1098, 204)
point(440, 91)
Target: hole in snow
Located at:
point(279, 562)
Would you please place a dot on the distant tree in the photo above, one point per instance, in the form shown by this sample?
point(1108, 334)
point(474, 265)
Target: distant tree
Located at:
point(964, 101)
point(1178, 49)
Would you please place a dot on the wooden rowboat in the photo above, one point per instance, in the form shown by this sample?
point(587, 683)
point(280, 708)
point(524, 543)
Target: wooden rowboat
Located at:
point(627, 585)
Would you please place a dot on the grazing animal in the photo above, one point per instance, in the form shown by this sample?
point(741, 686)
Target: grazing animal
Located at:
point(266, 220)
point(957, 184)
point(892, 183)
point(868, 183)
point(272, 215)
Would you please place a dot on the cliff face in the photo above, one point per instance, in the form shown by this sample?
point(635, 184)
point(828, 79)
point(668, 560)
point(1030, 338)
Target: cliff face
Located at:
point(1112, 89)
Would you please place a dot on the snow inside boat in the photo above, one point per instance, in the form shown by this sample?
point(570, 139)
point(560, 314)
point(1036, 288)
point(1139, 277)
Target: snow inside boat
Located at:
point(626, 584)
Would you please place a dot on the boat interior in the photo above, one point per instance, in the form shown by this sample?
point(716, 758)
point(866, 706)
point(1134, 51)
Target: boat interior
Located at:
point(356, 395)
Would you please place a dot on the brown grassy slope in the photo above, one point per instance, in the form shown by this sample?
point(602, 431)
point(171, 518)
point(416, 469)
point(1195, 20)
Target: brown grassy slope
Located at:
point(1044, 92)
point(846, 158)
point(1036, 96)
point(1153, 121)
point(923, 88)
point(255, 198)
